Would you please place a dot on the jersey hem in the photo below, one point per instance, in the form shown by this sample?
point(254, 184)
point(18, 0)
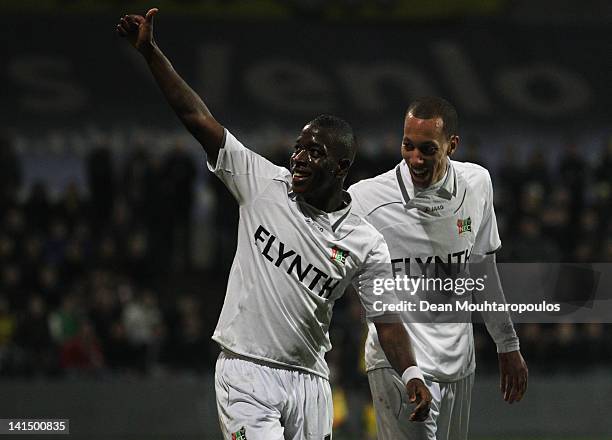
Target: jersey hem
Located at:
point(264, 360)
point(428, 376)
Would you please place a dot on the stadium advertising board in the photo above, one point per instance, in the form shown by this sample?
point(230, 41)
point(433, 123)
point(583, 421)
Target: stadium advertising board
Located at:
point(289, 71)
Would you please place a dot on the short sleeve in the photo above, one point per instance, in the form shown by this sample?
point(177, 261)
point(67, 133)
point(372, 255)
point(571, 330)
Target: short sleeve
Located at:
point(245, 173)
point(356, 207)
point(370, 282)
point(487, 238)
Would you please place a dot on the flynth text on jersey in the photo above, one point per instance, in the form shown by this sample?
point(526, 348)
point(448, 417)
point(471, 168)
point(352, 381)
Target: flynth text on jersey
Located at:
point(295, 265)
point(454, 264)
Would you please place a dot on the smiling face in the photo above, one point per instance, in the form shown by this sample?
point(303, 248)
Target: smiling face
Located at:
point(425, 148)
point(315, 169)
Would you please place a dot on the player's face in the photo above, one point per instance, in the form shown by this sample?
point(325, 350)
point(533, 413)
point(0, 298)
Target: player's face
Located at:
point(313, 163)
point(425, 149)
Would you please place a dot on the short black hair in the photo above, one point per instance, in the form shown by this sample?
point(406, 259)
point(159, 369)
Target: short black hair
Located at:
point(342, 133)
point(428, 107)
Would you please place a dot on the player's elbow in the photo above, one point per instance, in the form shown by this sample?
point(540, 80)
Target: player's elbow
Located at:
point(395, 342)
point(198, 123)
point(206, 130)
point(389, 332)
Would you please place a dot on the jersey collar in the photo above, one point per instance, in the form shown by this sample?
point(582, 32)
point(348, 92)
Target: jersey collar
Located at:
point(446, 190)
point(329, 220)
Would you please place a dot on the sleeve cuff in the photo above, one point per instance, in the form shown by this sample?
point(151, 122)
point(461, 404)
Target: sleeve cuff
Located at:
point(507, 347)
point(385, 317)
point(214, 167)
point(494, 251)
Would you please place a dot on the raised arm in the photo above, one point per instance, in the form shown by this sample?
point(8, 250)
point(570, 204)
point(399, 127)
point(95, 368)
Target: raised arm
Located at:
point(186, 103)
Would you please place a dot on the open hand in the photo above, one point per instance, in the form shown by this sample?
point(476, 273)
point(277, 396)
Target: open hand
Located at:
point(513, 375)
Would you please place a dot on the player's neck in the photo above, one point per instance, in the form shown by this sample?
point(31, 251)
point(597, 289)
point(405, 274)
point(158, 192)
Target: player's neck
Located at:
point(328, 202)
point(434, 183)
point(419, 188)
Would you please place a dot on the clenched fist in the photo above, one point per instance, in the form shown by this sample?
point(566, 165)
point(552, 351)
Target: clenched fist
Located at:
point(419, 393)
point(138, 30)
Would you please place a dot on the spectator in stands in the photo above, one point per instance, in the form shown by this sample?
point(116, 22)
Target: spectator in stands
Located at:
point(537, 171)
point(11, 284)
point(38, 208)
point(510, 188)
point(65, 322)
point(82, 353)
point(143, 323)
point(72, 206)
point(101, 183)
point(573, 172)
point(179, 174)
point(10, 172)
point(36, 347)
point(103, 312)
point(137, 184)
point(603, 187)
point(8, 324)
point(120, 354)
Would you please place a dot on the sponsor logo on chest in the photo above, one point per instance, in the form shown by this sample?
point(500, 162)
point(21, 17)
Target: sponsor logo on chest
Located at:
point(449, 265)
point(282, 257)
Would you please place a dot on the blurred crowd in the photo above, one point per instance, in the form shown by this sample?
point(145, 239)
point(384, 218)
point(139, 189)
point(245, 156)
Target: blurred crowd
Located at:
point(98, 280)
point(101, 279)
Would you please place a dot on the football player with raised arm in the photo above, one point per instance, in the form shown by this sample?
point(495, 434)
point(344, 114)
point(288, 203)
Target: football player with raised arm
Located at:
point(437, 215)
point(299, 246)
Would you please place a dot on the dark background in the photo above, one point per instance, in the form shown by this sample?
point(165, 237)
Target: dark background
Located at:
point(115, 242)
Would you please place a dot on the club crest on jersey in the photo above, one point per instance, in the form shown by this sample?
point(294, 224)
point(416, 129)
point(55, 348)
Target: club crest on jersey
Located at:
point(339, 255)
point(239, 435)
point(464, 225)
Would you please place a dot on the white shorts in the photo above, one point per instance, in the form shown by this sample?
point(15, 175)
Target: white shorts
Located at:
point(265, 402)
point(448, 417)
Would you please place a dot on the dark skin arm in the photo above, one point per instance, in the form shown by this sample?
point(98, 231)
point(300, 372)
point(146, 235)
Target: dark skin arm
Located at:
point(186, 103)
point(395, 342)
point(513, 375)
point(513, 372)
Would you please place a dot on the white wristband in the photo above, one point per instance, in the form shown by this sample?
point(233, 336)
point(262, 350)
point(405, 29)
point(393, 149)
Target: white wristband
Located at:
point(410, 373)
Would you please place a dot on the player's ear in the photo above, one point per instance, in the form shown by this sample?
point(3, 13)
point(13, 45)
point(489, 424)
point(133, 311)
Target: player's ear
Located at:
point(343, 167)
point(453, 143)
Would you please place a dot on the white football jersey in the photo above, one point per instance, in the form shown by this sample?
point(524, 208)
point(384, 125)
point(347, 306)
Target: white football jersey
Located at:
point(431, 231)
point(292, 263)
